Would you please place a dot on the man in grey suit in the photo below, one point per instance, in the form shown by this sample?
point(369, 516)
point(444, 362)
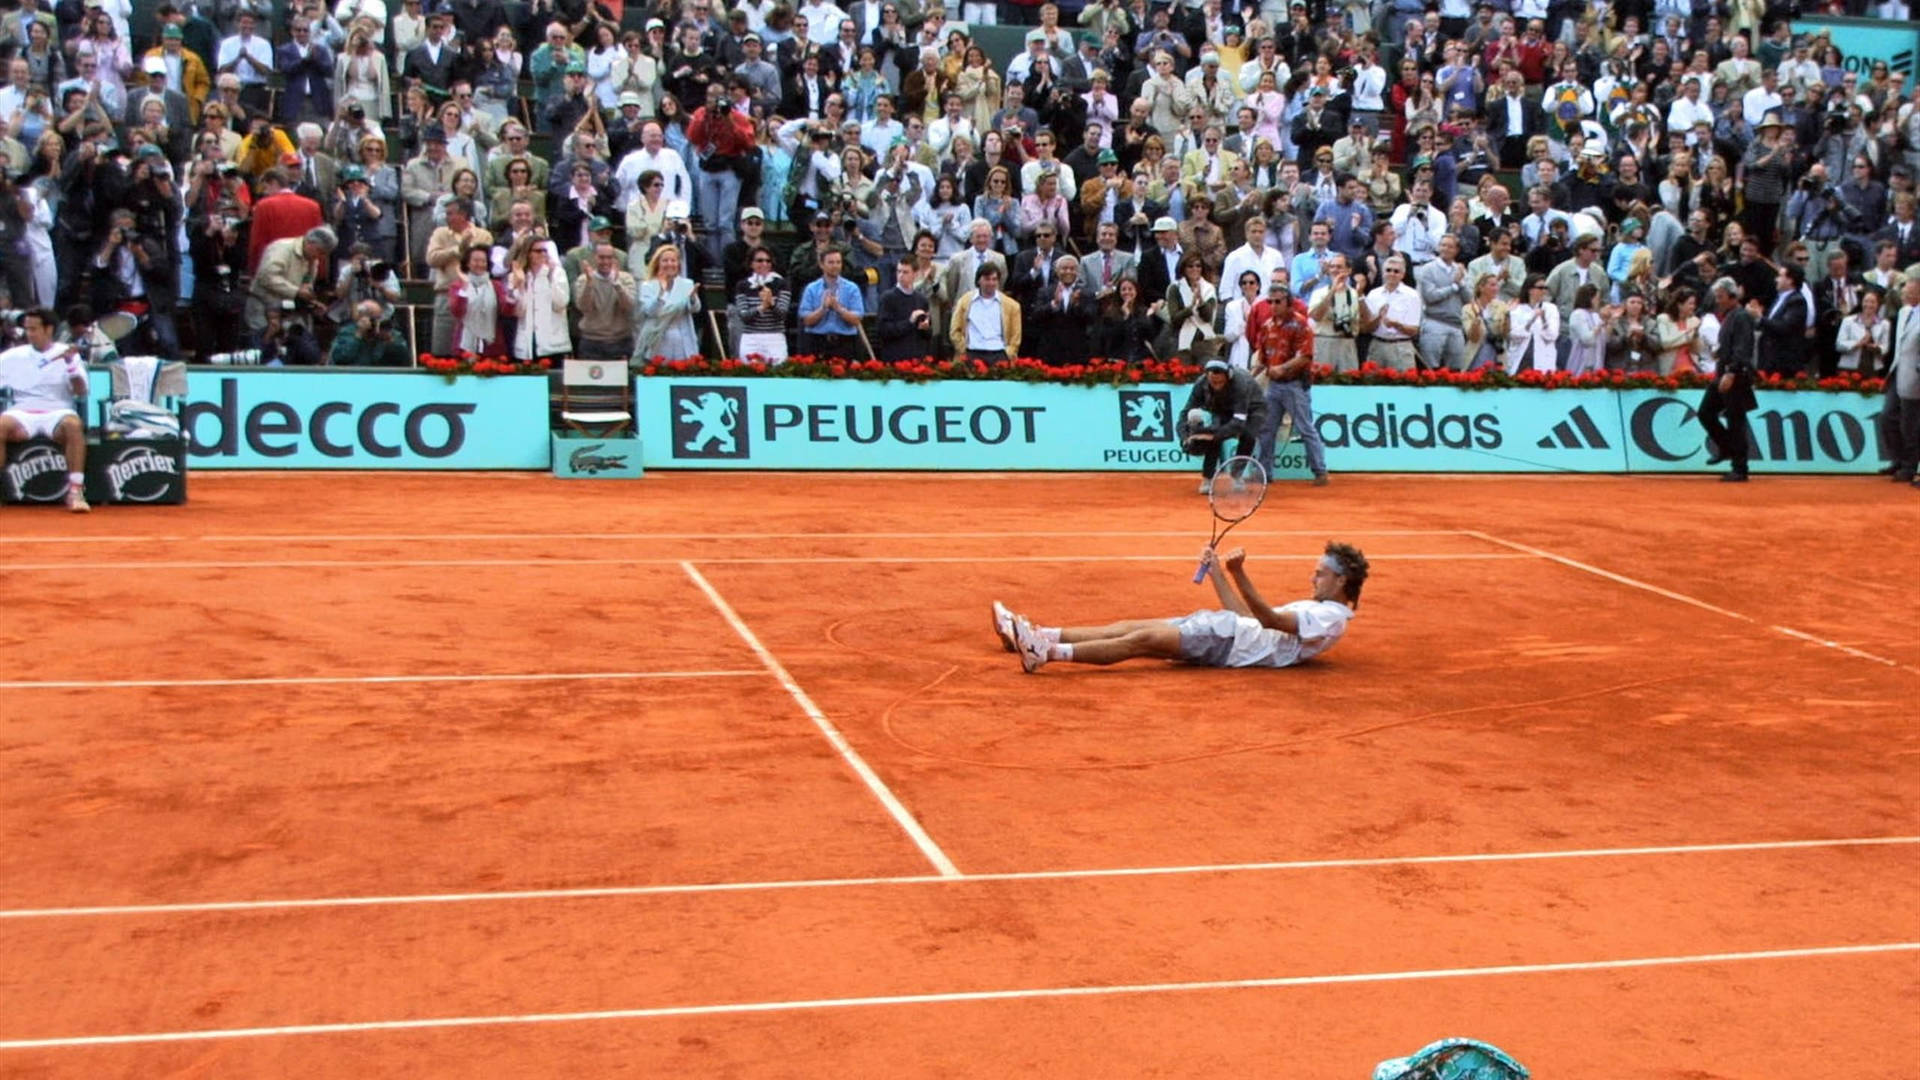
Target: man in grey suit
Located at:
point(1443, 289)
point(1903, 388)
point(1102, 269)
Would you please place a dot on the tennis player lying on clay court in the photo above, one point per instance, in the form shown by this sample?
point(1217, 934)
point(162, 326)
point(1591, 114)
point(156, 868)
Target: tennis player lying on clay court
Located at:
point(1248, 633)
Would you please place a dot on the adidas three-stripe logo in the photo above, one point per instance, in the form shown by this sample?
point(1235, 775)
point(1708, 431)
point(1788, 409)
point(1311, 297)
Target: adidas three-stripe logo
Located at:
point(1576, 432)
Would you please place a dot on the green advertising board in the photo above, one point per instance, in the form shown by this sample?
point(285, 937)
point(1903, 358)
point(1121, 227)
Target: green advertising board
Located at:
point(1863, 41)
point(964, 425)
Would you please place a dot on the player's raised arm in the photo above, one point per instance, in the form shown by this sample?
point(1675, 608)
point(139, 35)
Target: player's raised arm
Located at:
point(1229, 600)
point(1252, 604)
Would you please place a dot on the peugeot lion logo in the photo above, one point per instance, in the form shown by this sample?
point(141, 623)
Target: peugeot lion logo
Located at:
point(1143, 416)
point(709, 422)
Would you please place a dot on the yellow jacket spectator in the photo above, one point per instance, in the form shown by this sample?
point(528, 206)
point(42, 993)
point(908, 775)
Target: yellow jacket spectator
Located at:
point(986, 321)
point(262, 148)
point(186, 72)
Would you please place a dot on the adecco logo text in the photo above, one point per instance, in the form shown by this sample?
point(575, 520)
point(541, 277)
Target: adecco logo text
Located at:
point(1663, 428)
point(335, 429)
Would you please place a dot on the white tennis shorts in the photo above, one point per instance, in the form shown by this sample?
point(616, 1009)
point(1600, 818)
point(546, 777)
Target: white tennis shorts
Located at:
point(39, 422)
point(1225, 639)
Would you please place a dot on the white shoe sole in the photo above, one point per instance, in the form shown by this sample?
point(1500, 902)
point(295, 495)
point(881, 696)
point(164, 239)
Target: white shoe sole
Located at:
point(1003, 627)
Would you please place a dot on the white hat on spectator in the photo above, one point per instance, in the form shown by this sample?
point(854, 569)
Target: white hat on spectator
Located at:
point(631, 98)
point(1165, 224)
point(153, 65)
point(677, 210)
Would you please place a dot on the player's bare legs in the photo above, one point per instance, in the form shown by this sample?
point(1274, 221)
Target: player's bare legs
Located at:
point(1131, 639)
point(1074, 635)
point(73, 443)
point(1153, 638)
point(10, 432)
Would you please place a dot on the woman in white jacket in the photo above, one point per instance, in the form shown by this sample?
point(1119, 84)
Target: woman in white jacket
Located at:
point(1533, 326)
point(1864, 336)
point(1239, 353)
point(537, 289)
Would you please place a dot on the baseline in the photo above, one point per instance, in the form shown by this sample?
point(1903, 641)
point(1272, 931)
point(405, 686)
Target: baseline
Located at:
point(616, 891)
point(1023, 994)
point(380, 564)
point(353, 538)
point(895, 808)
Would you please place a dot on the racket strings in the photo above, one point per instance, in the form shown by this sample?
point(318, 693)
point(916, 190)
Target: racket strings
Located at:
point(1239, 486)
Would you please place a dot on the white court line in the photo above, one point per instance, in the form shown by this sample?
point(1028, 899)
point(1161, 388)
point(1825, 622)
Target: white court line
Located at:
point(618, 891)
point(338, 680)
point(1025, 994)
point(86, 567)
point(1685, 599)
point(894, 806)
point(355, 538)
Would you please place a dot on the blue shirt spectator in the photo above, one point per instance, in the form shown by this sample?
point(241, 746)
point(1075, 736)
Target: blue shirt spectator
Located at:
point(1350, 218)
point(831, 321)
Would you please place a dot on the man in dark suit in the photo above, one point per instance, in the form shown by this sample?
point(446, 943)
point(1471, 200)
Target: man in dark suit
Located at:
point(1783, 327)
point(431, 61)
point(1059, 316)
point(1903, 231)
point(1160, 264)
point(1512, 120)
point(1032, 269)
point(807, 94)
point(1834, 300)
point(307, 67)
point(1316, 126)
point(1730, 394)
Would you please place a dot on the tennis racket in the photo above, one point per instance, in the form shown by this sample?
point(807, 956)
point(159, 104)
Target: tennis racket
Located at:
point(1239, 486)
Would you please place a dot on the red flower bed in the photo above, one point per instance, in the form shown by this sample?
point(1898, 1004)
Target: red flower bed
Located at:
point(466, 363)
point(1102, 372)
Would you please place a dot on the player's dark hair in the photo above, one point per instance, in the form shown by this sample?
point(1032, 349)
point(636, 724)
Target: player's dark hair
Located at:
point(1353, 568)
point(45, 315)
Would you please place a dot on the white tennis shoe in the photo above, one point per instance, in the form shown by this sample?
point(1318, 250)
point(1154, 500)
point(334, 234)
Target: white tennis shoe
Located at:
point(1003, 626)
point(1032, 648)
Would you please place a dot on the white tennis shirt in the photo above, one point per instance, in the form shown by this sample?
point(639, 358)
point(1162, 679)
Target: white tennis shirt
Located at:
point(41, 382)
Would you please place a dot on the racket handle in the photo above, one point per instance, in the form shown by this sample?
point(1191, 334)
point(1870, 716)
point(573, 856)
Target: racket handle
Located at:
point(1200, 572)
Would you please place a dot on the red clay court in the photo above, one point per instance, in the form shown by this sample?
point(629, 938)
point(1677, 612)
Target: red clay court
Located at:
point(725, 775)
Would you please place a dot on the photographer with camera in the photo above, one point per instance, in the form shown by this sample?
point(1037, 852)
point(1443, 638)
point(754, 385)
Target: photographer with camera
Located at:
point(363, 277)
point(370, 341)
point(1818, 217)
point(218, 246)
point(135, 273)
point(287, 284)
point(264, 148)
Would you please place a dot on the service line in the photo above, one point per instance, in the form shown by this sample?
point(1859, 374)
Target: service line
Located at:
point(630, 891)
point(1024, 994)
point(344, 680)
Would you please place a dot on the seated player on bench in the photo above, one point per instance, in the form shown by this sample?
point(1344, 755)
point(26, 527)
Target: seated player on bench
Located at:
point(46, 380)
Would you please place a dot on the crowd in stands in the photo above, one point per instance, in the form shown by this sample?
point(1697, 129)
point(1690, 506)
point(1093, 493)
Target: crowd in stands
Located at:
point(1536, 184)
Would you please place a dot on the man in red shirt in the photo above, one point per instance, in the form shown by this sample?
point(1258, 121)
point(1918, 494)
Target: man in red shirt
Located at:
point(1281, 341)
point(280, 212)
point(722, 141)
